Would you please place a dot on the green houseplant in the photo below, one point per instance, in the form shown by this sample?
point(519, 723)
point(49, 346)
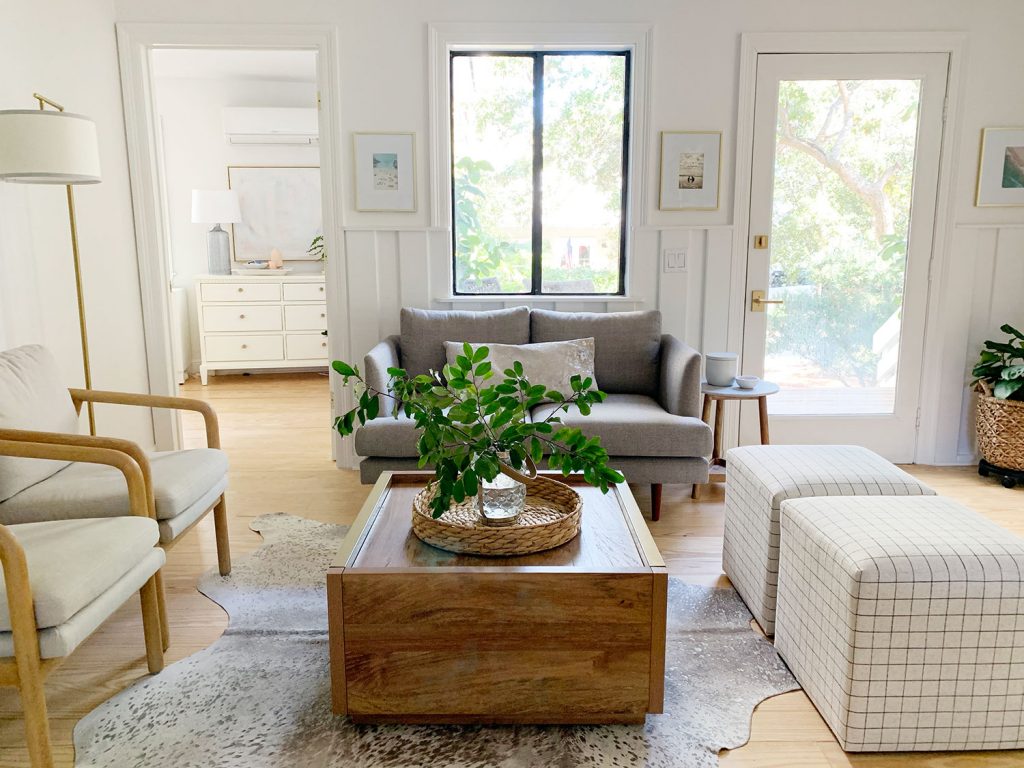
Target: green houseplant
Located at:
point(1000, 370)
point(468, 416)
point(999, 379)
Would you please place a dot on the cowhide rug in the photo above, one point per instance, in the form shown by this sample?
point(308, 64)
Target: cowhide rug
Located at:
point(259, 697)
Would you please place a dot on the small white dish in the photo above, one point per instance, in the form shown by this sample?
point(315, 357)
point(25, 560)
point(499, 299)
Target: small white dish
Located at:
point(747, 382)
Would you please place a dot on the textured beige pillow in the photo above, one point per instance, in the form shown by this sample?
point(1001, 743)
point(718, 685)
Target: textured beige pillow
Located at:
point(551, 363)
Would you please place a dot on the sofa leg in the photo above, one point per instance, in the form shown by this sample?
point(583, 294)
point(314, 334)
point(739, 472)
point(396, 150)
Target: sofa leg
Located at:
point(655, 501)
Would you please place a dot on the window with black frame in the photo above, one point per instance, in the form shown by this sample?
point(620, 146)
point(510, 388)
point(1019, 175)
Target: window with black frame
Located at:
point(539, 171)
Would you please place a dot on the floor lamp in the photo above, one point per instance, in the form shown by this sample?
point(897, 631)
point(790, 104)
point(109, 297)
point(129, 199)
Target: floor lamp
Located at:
point(41, 146)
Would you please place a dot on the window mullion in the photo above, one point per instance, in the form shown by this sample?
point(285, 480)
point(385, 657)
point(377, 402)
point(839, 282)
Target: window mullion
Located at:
point(538, 163)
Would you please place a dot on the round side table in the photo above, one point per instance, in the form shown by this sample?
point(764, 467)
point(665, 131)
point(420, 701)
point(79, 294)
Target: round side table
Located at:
point(716, 395)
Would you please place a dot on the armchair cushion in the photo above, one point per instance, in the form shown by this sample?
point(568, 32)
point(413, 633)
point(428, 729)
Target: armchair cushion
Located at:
point(375, 368)
point(627, 345)
point(180, 478)
point(73, 562)
point(636, 425)
point(425, 331)
point(32, 396)
point(387, 436)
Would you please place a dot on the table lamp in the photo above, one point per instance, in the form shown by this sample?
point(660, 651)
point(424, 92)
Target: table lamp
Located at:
point(40, 146)
point(216, 206)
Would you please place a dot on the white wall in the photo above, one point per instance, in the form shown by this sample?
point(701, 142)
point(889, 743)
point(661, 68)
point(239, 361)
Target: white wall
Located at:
point(396, 259)
point(196, 156)
point(65, 49)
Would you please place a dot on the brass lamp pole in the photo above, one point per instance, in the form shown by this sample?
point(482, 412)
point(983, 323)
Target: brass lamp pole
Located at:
point(54, 147)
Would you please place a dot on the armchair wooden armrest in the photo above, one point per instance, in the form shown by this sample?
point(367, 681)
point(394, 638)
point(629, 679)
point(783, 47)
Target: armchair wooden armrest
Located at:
point(79, 396)
point(134, 450)
point(138, 496)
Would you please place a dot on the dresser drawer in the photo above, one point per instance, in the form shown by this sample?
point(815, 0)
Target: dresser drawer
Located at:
point(305, 317)
point(304, 292)
point(242, 317)
point(233, 348)
point(240, 291)
point(307, 346)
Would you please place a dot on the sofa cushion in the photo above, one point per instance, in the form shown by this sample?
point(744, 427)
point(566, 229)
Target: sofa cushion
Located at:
point(424, 332)
point(32, 396)
point(635, 425)
point(180, 478)
point(626, 345)
point(73, 562)
point(551, 363)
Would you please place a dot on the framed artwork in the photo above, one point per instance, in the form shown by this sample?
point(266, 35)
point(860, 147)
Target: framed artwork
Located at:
point(385, 166)
point(1001, 167)
point(281, 209)
point(690, 165)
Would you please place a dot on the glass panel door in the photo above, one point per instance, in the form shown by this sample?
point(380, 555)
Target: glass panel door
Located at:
point(845, 171)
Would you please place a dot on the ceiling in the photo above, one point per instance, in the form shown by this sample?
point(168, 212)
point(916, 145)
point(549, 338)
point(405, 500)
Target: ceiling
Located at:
point(240, 64)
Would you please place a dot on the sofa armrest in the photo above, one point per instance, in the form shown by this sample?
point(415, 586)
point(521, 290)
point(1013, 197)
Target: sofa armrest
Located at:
point(387, 354)
point(679, 391)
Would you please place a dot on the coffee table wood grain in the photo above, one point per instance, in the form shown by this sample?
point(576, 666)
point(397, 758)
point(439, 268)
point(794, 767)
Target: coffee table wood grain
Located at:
point(572, 635)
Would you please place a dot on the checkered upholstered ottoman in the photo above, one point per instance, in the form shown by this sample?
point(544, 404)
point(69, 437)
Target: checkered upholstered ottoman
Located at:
point(761, 477)
point(903, 620)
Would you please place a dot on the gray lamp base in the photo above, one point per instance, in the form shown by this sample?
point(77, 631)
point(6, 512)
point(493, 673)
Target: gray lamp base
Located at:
point(218, 250)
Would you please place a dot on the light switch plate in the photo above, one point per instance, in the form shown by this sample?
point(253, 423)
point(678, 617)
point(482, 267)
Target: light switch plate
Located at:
point(674, 259)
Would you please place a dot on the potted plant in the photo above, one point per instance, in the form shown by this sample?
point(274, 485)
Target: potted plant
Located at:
point(474, 425)
point(999, 380)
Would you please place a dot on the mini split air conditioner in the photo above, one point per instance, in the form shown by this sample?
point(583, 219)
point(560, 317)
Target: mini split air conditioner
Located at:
point(271, 125)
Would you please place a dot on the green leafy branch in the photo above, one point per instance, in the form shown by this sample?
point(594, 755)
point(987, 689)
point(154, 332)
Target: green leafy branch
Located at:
point(1001, 366)
point(465, 423)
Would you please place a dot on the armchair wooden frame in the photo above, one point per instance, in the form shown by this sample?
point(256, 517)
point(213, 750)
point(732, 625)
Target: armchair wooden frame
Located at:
point(27, 671)
point(220, 509)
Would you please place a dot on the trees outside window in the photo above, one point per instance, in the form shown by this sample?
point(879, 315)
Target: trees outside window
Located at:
point(539, 169)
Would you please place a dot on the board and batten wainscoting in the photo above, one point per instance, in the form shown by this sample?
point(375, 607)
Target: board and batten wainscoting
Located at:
point(391, 267)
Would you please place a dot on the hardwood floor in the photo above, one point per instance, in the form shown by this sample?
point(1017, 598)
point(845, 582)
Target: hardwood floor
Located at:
point(274, 429)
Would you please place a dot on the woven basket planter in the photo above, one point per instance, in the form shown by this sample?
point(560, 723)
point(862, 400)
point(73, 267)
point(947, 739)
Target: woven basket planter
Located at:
point(1000, 426)
point(551, 517)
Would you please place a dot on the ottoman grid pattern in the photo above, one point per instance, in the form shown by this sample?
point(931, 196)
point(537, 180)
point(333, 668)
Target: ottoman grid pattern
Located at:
point(903, 619)
point(762, 477)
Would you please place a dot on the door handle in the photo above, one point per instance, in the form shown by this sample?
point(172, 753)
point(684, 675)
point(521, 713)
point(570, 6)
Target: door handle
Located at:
point(758, 301)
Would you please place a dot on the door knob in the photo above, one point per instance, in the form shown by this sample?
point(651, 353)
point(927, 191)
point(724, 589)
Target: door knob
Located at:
point(758, 301)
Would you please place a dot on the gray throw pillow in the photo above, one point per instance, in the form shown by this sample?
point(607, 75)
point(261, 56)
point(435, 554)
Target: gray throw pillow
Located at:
point(552, 364)
point(424, 332)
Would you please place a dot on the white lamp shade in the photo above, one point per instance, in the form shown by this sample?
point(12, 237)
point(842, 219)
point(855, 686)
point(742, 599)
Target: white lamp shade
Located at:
point(215, 206)
point(45, 147)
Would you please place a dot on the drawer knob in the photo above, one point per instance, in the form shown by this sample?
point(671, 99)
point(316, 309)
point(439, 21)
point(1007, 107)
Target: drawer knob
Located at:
point(245, 346)
point(323, 344)
point(321, 289)
point(241, 317)
point(323, 314)
point(241, 290)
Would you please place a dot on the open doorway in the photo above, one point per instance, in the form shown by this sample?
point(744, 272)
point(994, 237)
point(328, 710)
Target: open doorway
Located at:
point(249, 115)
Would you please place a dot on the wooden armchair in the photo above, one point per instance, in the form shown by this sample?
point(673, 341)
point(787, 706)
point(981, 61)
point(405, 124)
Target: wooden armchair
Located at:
point(181, 487)
point(63, 578)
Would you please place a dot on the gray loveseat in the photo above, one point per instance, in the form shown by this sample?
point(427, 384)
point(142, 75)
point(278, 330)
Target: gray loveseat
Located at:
point(650, 423)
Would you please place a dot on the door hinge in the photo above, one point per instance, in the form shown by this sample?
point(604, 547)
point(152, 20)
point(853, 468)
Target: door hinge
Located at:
point(318, 103)
point(945, 108)
point(917, 419)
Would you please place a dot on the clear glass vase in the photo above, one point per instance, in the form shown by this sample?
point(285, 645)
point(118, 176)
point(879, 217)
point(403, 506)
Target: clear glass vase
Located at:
point(502, 499)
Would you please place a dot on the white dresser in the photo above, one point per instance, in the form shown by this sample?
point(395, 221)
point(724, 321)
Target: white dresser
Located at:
point(249, 322)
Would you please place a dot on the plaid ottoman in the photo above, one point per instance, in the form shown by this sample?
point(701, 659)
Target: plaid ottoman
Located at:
point(903, 620)
point(761, 477)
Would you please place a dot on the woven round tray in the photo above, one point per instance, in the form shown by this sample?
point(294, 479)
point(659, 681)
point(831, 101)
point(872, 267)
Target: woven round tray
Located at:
point(551, 518)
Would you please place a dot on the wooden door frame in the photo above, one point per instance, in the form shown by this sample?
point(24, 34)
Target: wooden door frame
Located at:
point(134, 43)
point(954, 44)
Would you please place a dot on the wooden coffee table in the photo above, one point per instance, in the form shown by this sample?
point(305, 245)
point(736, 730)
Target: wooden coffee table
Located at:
point(421, 635)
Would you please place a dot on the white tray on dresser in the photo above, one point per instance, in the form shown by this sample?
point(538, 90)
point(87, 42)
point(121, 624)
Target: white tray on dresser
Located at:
point(260, 321)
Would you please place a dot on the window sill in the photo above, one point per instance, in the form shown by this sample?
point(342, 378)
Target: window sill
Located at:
point(544, 299)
